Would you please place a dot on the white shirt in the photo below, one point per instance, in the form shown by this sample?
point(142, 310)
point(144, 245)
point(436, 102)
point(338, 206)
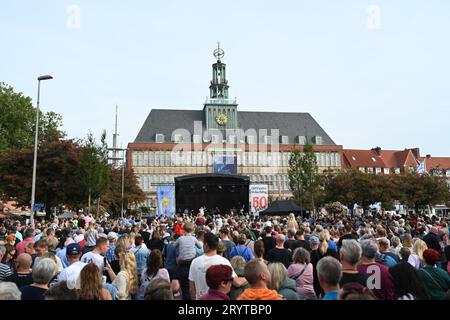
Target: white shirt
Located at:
point(197, 271)
point(95, 258)
point(71, 275)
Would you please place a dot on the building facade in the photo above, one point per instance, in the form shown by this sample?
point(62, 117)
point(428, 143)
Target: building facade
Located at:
point(174, 143)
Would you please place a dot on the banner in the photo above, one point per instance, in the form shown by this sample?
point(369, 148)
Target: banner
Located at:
point(259, 198)
point(225, 164)
point(166, 201)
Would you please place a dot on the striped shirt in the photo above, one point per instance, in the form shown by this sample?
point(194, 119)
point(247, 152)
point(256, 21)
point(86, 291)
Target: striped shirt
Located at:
point(5, 271)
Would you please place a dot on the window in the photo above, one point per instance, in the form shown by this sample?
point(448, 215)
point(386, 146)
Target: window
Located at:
point(397, 170)
point(267, 139)
point(159, 138)
point(447, 173)
point(134, 156)
point(145, 159)
point(141, 158)
point(369, 170)
point(232, 139)
point(353, 158)
point(177, 138)
point(151, 158)
point(301, 139)
point(284, 139)
point(386, 170)
point(251, 139)
point(362, 169)
point(373, 159)
point(167, 160)
point(318, 140)
point(377, 170)
point(157, 157)
point(327, 159)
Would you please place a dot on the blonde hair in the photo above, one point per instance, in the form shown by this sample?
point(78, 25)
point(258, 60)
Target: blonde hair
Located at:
point(419, 247)
point(324, 237)
point(128, 265)
point(278, 274)
point(123, 241)
point(131, 239)
point(292, 223)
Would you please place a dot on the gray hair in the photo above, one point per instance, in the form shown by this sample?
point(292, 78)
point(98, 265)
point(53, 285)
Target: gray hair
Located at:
point(44, 271)
point(2, 250)
point(9, 291)
point(395, 241)
point(301, 255)
point(351, 251)
point(369, 248)
point(329, 270)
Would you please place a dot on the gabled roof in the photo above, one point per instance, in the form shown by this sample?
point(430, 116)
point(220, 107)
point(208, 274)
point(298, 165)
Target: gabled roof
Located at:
point(363, 158)
point(436, 163)
point(386, 158)
point(289, 124)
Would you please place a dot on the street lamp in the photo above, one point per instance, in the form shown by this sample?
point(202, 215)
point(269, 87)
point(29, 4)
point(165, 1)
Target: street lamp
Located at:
point(33, 186)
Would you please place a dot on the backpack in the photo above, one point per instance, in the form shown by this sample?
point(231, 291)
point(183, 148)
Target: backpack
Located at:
point(235, 252)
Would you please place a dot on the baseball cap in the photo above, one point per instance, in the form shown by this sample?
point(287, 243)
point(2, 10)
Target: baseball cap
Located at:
point(73, 249)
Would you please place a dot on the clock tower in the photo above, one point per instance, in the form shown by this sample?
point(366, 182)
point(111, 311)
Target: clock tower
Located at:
point(220, 111)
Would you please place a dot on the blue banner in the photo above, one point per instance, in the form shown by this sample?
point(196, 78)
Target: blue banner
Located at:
point(166, 201)
point(226, 165)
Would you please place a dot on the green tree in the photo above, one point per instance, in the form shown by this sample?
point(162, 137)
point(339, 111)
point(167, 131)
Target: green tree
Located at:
point(424, 190)
point(304, 178)
point(18, 118)
point(94, 170)
point(112, 200)
point(56, 174)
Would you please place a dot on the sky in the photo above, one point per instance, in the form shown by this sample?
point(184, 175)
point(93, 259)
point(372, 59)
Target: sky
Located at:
point(372, 73)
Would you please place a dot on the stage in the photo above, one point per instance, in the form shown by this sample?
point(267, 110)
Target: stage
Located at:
point(212, 190)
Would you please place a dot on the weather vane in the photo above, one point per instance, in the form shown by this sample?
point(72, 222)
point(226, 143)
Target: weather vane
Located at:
point(218, 53)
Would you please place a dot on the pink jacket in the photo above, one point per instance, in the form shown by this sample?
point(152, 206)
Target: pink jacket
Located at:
point(305, 287)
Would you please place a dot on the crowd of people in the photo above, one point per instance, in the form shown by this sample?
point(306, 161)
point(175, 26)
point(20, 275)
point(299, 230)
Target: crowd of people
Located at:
point(211, 256)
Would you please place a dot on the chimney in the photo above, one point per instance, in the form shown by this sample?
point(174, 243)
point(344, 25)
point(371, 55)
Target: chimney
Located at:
point(377, 150)
point(416, 152)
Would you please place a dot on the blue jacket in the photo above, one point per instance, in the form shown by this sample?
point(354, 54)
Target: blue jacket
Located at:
point(242, 251)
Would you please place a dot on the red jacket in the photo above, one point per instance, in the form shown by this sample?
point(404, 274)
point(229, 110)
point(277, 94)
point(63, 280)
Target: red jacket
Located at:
point(178, 229)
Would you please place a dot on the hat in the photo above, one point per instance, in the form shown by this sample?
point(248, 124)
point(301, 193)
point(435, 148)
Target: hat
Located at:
point(73, 249)
point(112, 236)
point(313, 240)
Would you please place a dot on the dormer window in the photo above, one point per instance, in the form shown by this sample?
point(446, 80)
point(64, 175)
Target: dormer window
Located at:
point(301, 140)
point(177, 138)
point(159, 138)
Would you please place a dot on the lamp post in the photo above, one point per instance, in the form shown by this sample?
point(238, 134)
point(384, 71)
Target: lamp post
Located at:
point(36, 133)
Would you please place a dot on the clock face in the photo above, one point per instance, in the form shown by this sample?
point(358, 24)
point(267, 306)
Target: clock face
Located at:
point(221, 119)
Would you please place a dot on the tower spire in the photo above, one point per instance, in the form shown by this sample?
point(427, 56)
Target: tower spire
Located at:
point(219, 84)
point(115, 139)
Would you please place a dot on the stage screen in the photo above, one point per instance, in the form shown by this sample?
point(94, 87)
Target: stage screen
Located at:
point(225, 164)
